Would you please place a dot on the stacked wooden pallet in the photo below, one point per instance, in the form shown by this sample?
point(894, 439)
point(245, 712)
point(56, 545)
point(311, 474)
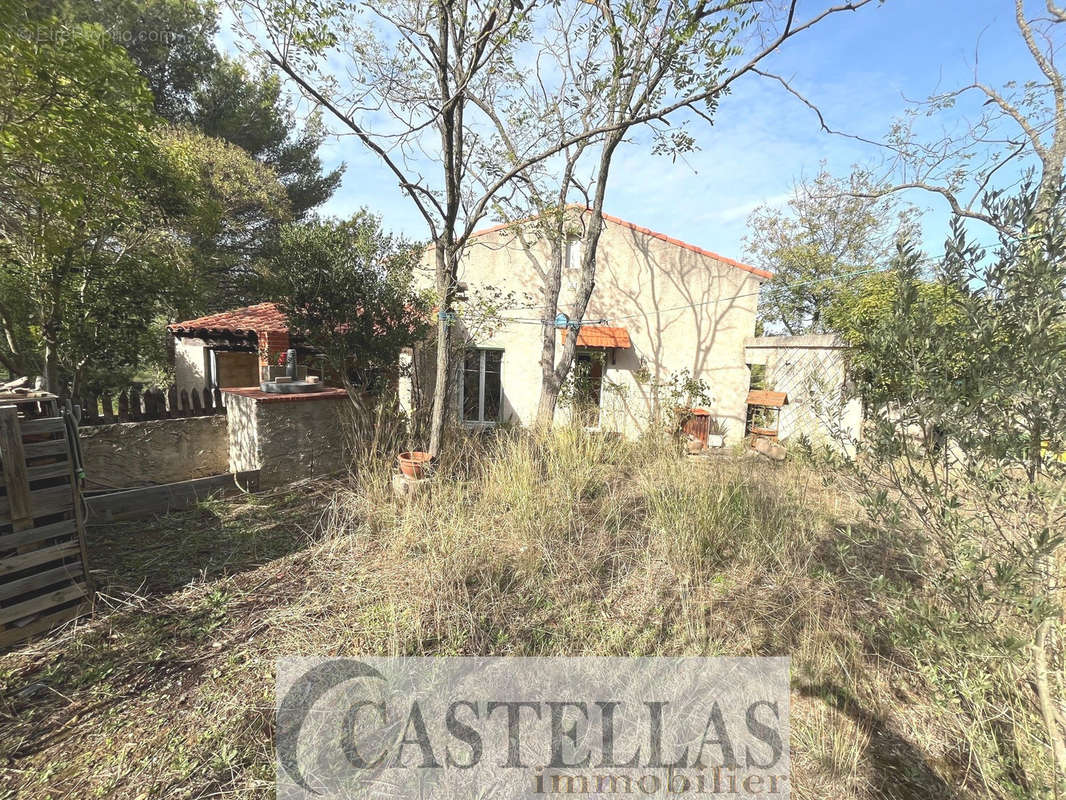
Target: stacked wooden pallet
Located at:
point(44, 576)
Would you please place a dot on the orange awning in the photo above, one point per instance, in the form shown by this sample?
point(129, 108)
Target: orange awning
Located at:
point(600, 336)
point(761, 397)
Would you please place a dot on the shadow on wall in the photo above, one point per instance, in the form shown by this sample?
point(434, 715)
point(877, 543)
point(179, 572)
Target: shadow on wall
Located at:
point(705, 336)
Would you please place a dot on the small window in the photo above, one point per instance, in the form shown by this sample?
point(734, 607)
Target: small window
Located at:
point(480, 389)
point(573, 253)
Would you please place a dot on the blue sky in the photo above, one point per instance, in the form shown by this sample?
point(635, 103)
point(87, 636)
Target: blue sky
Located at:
point(858, 67)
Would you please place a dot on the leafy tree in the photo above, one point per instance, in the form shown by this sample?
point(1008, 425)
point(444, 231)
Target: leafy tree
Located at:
point(170, 41)
point(826, 230)
point(227, 205)
point(346, 286)
point(862, 310)
point(968, 451)
point(75, 167)
point(249, 111)
point(101, 205)
point(193, 85)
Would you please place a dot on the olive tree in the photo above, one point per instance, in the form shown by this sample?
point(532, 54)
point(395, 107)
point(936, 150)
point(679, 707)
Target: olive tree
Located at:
point(965, 442)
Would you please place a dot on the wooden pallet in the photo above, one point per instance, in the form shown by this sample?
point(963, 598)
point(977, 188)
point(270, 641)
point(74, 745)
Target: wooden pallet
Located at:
point(44, 574)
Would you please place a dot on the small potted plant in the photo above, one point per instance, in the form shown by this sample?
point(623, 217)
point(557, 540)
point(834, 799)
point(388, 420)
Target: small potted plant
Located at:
point(716, 430)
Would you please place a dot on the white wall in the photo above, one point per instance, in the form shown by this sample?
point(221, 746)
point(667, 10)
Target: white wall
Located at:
point(189, 363)
point(812, 371)
point(683, 310)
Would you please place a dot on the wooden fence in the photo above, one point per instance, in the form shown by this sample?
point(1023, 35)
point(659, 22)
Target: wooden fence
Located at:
point(136, 405)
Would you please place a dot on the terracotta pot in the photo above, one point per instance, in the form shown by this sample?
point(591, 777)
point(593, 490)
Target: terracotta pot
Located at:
point(414, 464)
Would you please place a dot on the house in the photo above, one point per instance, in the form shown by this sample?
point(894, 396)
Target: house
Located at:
point(228, 348)
point(660, 307)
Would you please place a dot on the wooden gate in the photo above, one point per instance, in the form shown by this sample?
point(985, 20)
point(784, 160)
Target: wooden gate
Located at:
point(44, 575)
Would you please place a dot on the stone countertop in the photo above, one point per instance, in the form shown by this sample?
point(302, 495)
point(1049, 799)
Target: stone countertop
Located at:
point(257, 394)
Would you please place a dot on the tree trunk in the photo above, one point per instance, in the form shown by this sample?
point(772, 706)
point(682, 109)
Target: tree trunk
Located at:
point(590, 242)
point(1047, 702)
point(51, 365)
point(549, 382)
point(446, 271)
point(440, 386)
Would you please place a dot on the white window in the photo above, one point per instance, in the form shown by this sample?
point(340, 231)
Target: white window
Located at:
point(480, 388)
point(572, 267)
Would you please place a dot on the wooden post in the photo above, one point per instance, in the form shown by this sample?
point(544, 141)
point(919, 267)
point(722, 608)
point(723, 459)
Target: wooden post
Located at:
point(107, 407)
point(209, 405)
point(123, 408)
point(172, 402)
point(197, 410)
point(184, 403)
point(135, 404)
point(220, 408)
point(88, 409)
point(16, 479)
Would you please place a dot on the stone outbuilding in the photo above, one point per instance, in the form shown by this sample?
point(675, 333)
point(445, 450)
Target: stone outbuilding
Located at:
point(228, 349)
point(811, 371)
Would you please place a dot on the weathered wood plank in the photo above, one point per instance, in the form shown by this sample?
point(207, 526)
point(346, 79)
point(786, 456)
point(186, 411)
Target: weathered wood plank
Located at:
point(153, 500)
point(66, 527)
point(134, 404)
point(56, 469)
point(53, 447)
point(18, 505)
point(107, 408)
point(35, 427)
point(42, 603)
point(13, 564)
point(53, 500)
point(40, 580)
point(13, 635)
point(172, 402)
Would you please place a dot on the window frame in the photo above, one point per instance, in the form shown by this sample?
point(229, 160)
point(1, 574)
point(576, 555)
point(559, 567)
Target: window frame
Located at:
point(482, 372)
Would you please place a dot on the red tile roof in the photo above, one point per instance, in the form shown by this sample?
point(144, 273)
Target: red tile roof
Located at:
point(260, 318)
point(761, 397)
point(762, 273)
point(600, 336)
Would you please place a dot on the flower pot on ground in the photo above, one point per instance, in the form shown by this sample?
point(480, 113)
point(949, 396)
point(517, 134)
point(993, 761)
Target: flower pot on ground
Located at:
point(414, 464)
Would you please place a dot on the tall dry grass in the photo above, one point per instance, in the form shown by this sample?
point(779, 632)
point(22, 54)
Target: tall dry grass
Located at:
point(559, 543)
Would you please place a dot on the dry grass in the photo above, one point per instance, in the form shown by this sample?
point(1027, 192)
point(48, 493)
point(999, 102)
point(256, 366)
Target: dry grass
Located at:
point(566, 545)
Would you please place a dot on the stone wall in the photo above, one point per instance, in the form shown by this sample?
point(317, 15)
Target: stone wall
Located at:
point(287, 437)
point(132, 454)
